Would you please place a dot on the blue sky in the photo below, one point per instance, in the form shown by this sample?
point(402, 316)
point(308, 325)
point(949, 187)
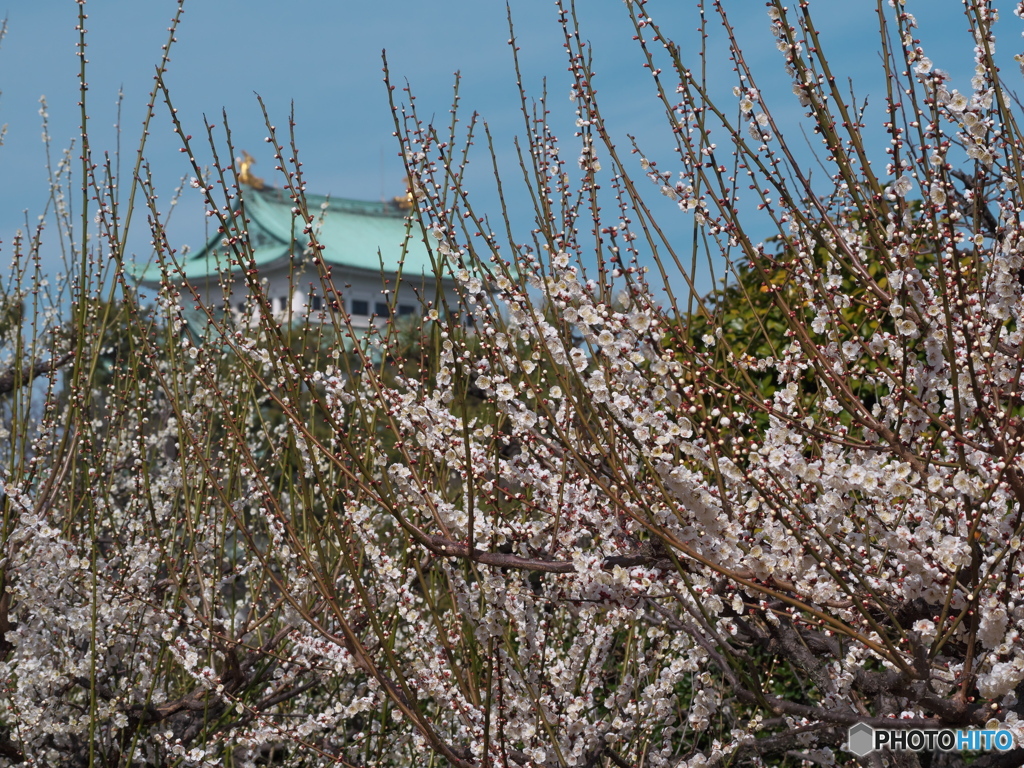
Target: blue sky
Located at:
point(324, 55)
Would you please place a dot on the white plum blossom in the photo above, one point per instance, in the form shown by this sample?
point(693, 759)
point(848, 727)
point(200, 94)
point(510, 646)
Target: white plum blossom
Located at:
point(902, 186)
point(581, 515)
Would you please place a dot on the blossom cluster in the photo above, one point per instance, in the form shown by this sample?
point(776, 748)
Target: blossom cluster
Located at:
point(574, 520)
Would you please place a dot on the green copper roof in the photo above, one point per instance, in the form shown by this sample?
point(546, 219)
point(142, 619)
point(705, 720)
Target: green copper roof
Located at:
point(356, 235)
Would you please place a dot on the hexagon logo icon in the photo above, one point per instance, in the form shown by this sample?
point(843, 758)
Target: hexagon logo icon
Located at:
point(861, 739)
